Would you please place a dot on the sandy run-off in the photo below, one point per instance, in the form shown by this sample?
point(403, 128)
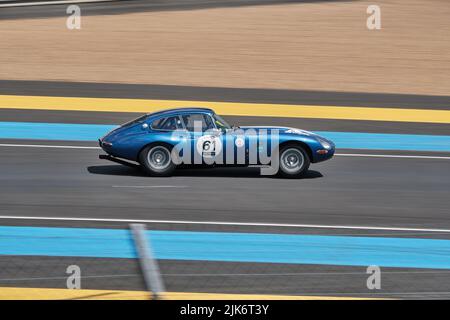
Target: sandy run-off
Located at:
point(319, 46)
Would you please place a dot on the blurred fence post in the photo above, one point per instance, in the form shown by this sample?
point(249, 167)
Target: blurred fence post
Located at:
point(149, 266)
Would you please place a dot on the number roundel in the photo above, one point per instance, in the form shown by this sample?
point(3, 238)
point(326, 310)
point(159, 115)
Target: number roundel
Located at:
point(209, 145)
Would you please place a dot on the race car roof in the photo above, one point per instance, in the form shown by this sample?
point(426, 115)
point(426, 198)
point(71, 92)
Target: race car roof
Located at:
point(180, 110)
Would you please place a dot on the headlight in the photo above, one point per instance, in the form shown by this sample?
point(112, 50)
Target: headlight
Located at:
point(324, 144)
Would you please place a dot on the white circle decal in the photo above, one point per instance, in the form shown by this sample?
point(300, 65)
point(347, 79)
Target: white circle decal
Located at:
point(239, 142)
point(209, 146)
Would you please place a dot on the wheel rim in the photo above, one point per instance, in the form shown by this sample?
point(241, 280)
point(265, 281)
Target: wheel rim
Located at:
point(292, 160)
point(159, 158)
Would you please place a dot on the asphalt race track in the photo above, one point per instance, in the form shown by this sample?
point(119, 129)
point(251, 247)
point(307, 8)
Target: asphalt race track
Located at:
point(126, 6)
point(345, 191)
point(359, 193)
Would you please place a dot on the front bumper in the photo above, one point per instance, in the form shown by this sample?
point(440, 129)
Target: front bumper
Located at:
point(323, 156)
point(325, 151)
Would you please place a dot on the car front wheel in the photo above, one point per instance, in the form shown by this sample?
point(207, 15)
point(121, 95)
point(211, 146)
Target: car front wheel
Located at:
point(157, 160)
point(293, 162)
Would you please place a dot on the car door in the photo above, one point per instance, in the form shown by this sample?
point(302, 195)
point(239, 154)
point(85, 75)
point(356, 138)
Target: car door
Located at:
point(206, 140)
point(169, 130)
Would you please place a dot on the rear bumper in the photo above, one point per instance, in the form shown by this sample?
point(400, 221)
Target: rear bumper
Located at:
point(117, 160)
point(106, 146)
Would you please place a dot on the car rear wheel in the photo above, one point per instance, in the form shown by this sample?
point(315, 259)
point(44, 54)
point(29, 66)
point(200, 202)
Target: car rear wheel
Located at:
point(293, 161)
point(157, 160)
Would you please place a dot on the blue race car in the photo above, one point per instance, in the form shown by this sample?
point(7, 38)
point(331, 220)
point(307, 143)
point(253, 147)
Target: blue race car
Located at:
point(163, 140)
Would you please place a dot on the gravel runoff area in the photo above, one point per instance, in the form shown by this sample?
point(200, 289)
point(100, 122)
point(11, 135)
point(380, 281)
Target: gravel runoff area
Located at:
point(310, 46)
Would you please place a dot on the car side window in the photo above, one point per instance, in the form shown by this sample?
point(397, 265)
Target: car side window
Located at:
point(169, 123)
point(190, 120)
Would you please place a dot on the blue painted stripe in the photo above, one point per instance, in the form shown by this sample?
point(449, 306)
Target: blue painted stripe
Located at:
point(222, 246)
point(344, 140)
point(53, 131)
point(387, 141)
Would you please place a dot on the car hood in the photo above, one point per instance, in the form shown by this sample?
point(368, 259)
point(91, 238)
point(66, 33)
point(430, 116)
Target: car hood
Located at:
point(281, 130)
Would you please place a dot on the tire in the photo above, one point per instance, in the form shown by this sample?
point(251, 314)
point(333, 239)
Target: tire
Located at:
point(293, 161)
point(156, 160)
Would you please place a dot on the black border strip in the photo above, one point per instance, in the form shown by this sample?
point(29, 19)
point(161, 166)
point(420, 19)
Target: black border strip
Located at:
point(170, 92)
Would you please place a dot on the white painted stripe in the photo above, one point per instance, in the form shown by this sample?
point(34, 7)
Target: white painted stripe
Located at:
point(42, 3)
point(337, 154)
point(389, 156)
point(149, 187)
point(46, 146)
point(223, 223)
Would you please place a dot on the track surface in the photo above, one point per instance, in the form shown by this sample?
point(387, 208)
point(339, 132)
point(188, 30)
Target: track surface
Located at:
point(347, 191)
point(130, 6)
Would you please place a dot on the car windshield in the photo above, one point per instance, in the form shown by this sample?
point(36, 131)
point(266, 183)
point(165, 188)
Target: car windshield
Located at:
point(220, 122)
